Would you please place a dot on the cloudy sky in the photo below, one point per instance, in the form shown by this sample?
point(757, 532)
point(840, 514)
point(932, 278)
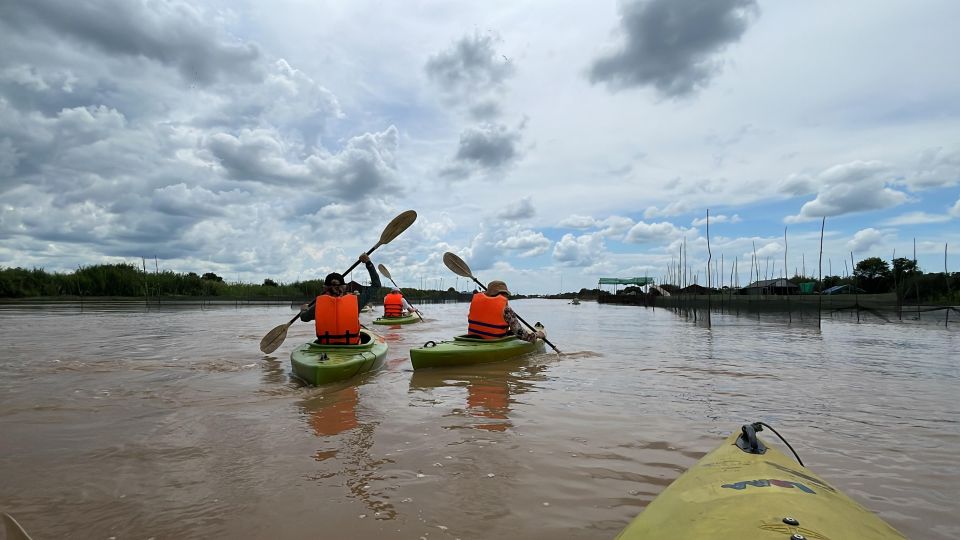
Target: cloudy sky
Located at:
point(547, 143)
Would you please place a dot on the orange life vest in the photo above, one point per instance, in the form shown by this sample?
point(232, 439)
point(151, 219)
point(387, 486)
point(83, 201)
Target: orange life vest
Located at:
point(486, 317)
point(337, 320)
point(393, 305)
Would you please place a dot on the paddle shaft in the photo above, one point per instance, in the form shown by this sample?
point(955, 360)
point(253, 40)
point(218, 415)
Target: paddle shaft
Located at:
point(545, 340)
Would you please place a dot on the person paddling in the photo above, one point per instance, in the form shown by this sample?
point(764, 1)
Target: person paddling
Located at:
point(395, 305)
point(491, 317)
point(337, 313)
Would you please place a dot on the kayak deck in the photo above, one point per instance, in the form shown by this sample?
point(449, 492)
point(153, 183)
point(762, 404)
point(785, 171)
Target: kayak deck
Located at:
point(407, 319)
point(466, 350)
point(731, 493)
point(320, 364)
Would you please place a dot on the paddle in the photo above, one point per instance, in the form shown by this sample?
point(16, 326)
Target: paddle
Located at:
point(275, 337)
point(460, 268)
point(14, 530)
point(383, 270)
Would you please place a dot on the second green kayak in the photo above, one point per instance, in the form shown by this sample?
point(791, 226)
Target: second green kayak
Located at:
point(322, 364)
point(465, 350)
point(745, 489)
point(407, 319)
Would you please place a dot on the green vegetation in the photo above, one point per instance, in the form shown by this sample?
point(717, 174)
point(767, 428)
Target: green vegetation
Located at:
point(128, 280)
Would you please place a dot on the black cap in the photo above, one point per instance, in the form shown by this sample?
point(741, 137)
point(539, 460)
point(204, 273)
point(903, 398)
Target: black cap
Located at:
point(333, 279)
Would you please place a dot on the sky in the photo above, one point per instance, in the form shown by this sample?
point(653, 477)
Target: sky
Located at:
point(547, 143)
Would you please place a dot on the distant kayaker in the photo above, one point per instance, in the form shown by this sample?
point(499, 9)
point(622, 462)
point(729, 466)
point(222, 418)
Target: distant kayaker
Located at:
point(491, 318)
point(395, 305)
point(337, 313)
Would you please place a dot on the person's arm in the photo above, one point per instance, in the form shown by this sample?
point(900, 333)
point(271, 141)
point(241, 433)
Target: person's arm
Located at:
point(366, 293)
point(307, 315)
point(517, 329)
point(408, 307)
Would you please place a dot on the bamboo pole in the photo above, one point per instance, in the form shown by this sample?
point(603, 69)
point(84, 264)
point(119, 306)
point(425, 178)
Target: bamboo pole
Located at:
point(823, 222)
point(916, 280)
point(709, 260)
point(856, 292)
point(789, 314)
point(946, 276)
point(893, 264)
point(146, 296)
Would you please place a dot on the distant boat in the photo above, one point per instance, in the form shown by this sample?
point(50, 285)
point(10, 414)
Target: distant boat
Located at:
point(575, 301)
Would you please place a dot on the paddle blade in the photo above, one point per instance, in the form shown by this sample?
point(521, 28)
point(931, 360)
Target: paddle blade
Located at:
point(383, 271)
point(397, 226)
point(456, 265)
point(274, 338)
point(14, 530)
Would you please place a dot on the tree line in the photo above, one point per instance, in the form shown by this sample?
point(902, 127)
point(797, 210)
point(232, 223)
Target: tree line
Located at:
point(126, 279)
point(875, 275)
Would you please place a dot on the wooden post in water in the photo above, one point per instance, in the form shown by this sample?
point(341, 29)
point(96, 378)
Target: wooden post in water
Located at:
point(916, 280)
point(789, 314)
point(156, 266)
point(820, 299)
point(896, 289)
point(856, 292)
point(79, 291)
point(146, 291)
point(946, 276)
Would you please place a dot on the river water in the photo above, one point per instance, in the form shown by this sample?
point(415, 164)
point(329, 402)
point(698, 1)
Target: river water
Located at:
point(170, 423)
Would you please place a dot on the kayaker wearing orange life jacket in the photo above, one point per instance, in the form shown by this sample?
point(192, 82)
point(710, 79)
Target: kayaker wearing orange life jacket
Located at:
point(337, 313)
point(394, 304)
point(491, 318)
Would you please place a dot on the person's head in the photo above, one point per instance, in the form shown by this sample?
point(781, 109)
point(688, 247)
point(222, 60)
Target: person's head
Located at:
point(496, 288)
point(334, 285)
point(395, 290)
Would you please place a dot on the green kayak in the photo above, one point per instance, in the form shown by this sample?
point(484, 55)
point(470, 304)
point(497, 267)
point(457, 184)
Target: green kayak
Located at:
point(746, 489)
point(412, 318)
point(465, 350)
point(321, 364)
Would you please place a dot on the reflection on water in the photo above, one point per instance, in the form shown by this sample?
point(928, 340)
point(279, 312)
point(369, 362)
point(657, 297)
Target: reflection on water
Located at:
point(490, 389)
point(170, 423)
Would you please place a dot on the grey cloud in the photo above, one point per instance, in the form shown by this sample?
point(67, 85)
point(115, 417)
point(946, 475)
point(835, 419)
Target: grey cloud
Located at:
point(798, 184)
point(366, 165)
point(488, 146)
point(256, 155)
point(936, 167)
point(517, 210)
point(172, 33)
point(485, 110)
point(471, 65)
point(673, 45)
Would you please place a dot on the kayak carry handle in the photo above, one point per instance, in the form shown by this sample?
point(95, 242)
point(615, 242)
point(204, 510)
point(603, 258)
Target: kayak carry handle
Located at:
point(748, 441)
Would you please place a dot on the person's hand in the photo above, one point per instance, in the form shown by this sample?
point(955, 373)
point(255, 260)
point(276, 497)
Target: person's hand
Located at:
point(303, 307)
point(364, 258)
point(540, 334)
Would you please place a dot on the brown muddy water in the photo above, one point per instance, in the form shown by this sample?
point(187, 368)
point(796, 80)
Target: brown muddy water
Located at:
point(170, 423)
